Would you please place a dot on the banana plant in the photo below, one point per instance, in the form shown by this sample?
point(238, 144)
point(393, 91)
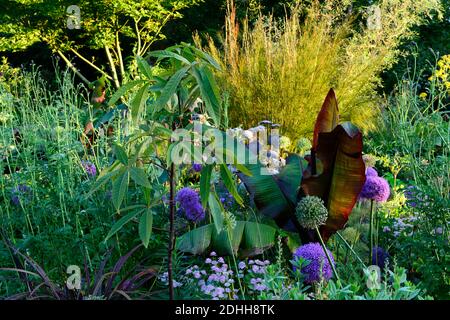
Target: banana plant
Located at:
point(334, 171)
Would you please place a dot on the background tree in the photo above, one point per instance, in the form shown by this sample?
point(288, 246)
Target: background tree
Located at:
point(104, 26)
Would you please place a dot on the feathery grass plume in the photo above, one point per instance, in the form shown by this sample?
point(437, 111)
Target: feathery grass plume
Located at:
point(281, 70)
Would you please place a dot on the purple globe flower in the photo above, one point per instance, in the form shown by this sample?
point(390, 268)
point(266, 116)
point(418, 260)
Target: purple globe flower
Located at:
point(371, 172)
point(20, 193)
point(89, 168)
point(190, 204)
point(375, 188)
point(319, 267)
point(379, 257)
point(197, 167)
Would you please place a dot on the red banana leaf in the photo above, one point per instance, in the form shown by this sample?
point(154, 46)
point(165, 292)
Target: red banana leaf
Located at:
point(343, 176)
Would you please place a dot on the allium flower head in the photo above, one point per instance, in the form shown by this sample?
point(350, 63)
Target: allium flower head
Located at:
point(371, 172)
point(229, 220)
point(375, 188)
point(89, 168)
point(379, 257)
point(190, 204)
point(311, 212)
point(319, 267)
point(197, 167)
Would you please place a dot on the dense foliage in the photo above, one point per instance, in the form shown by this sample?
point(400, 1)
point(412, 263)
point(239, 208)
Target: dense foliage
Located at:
point(228, 171)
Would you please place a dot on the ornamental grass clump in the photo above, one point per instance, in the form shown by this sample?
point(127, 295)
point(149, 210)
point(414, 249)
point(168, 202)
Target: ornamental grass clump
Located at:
point(319, 266)
point(189, 204)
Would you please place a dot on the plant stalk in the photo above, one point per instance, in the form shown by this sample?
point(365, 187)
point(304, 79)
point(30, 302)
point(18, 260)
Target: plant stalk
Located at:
point(328, 256)
point(371, 233)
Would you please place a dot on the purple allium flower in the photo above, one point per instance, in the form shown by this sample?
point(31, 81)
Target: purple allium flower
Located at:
point(89, 168)
point(197, 167)
point(375, 188)
point(20, 193)
point(371, 172)
point(319, 267)
point(190, 204)
point(379, 257)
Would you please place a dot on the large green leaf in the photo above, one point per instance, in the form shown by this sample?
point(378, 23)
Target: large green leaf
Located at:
point(196, 241)
point(258, 236)
point(222, 243)
point(343, 177)
point(229, 183)
point(275, 196)
point(252, 237)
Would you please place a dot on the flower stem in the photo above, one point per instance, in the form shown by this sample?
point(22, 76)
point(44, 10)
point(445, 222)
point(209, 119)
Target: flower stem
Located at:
point(371, 233)
point(328, 256)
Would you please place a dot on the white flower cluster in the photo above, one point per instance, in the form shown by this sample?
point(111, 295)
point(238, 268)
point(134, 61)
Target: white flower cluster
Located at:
point(263, 144)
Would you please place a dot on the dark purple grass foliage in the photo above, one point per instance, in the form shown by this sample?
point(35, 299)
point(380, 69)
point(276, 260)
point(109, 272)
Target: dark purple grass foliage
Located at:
point(375, 188)
point(319, 267)
point(189, 202)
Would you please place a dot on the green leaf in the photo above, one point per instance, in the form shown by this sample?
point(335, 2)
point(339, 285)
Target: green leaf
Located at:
point(145, 227)
point(139, 176)
point(121, 154)
point(139, 101)
point(196, 241)
point(144, 67)
point(161, 54)
point(171, 87)
point(221, 240)
point(216, 211)
point(205, 183)
point(228, 181)
point(258, 235)
point(102, 180)
point(121, 222)
point(120, 186)
point(209, 92)
point(123, 89)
